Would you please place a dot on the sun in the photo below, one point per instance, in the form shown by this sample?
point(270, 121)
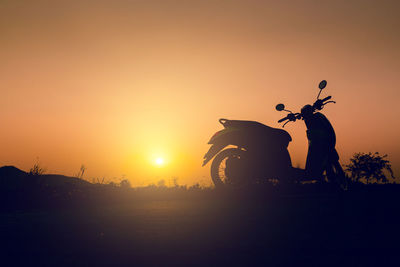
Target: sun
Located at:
point(159, 161)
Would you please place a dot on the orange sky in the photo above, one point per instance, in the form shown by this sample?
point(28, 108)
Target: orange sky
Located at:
point(114, 84)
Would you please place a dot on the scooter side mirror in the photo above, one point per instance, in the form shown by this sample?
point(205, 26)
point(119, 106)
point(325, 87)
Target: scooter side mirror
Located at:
point(280, 107)
point(322, 84)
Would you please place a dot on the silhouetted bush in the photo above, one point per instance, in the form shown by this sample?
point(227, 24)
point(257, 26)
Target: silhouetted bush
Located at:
point(37, 169)
point(112, 184)
point(125, 184)
point(81, 172)
point(100, 181)
point(161, 183)
point(370, 167)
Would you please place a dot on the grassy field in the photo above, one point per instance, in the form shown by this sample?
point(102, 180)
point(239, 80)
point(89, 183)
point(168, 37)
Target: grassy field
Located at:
point(210, 228)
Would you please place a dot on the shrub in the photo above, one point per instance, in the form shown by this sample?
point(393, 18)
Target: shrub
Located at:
point(369, 166)
point(125, 184)
point(37, 169)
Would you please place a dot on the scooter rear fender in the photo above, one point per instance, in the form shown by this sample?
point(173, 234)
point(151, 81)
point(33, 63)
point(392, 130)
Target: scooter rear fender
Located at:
point(219, 141)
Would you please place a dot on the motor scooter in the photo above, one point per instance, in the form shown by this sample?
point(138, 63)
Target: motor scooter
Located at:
point(249, 152)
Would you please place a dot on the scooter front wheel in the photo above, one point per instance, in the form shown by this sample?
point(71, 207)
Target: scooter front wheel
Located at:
point(341, 176)
point(336, 174)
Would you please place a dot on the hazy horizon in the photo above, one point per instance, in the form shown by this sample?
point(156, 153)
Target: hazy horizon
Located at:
point(114, 85)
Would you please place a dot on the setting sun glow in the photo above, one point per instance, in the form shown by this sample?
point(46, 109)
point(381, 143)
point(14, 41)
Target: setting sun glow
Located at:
point(159, 161)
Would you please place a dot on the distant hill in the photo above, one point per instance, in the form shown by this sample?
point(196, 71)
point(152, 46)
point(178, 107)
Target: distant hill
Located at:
point(11, 171)
point(11, 176)
point(59, 180)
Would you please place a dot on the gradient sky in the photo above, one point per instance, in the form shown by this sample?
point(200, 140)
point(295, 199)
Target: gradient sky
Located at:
point(114, 84)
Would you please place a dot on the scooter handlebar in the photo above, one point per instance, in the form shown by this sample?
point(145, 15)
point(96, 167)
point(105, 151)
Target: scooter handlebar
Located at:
point(283, 119)
point(291, 117)
point(326, 98)
point(319, 104)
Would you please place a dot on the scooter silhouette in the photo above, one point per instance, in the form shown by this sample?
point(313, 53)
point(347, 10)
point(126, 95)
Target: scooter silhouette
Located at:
point(249, 152)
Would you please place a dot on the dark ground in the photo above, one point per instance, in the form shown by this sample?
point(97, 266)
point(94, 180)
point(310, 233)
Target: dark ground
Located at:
point(311, 227)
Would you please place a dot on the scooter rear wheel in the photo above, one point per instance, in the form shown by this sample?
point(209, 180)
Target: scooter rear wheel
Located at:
point(224, 175)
